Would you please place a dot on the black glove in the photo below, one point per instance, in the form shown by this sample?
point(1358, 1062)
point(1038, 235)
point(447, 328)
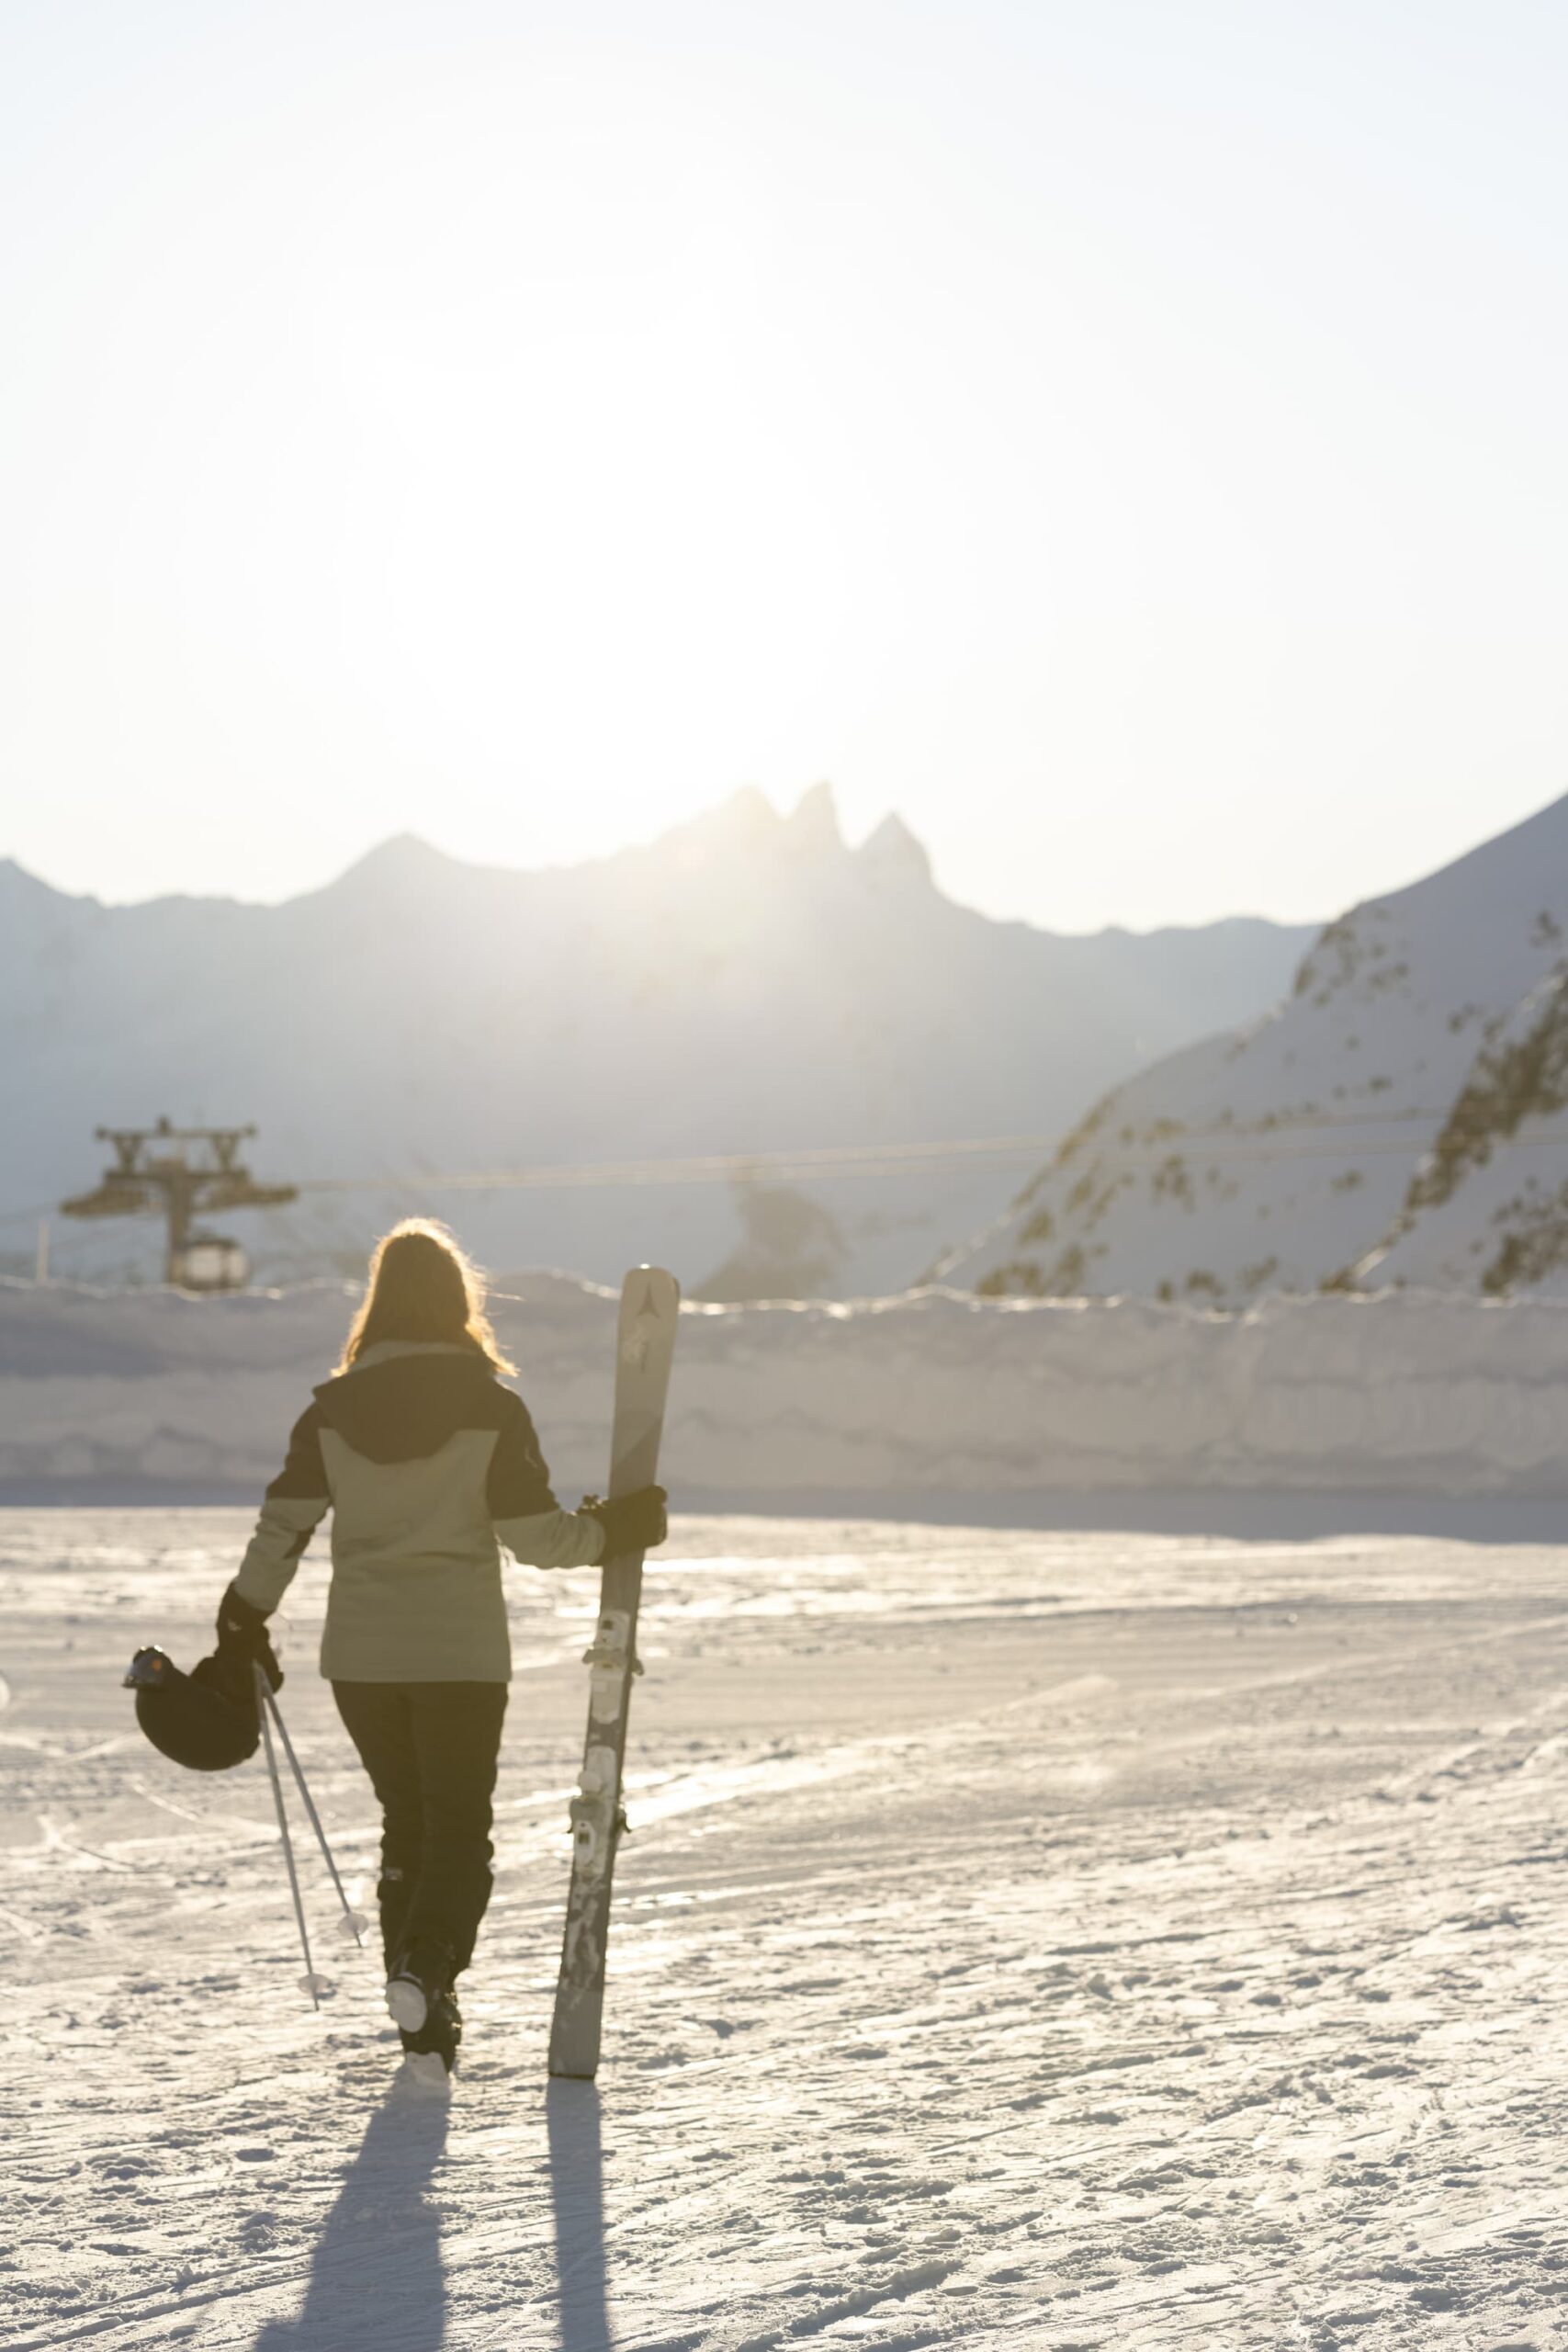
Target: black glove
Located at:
point(242, 1642)
point(633, 1522)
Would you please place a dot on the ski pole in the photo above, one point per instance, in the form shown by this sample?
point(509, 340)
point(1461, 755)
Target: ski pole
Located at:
point(264, 1693)
point(352, 1915)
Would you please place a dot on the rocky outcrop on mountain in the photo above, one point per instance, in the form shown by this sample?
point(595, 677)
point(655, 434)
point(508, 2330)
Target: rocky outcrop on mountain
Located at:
point(1396, 1122)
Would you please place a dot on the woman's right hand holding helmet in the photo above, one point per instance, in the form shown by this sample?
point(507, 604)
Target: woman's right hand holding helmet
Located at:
point(244, 1642)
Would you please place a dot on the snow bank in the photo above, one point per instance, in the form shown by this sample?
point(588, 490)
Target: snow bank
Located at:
point(935, 1393)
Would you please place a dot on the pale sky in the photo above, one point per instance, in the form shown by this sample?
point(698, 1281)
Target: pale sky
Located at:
point(1126, 436)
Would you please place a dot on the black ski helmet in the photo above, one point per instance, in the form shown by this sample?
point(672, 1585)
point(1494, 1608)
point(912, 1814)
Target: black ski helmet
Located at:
point(188, 1717)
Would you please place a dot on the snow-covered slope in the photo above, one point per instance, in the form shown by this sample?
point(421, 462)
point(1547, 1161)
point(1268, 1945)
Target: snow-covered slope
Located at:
point(1394, 1121)
point(749, 984)
point(1027, 1941)
point(936, 1394)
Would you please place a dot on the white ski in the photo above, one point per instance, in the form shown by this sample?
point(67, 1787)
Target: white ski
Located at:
point(651, 1302)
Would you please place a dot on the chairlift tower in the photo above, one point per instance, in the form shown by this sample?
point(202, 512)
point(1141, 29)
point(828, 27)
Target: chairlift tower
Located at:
point(181, 1173)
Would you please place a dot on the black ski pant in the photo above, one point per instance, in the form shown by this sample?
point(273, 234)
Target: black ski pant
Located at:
point(430, 1749)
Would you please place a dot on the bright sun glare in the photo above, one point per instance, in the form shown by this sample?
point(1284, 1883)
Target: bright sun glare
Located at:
point(1066, 427)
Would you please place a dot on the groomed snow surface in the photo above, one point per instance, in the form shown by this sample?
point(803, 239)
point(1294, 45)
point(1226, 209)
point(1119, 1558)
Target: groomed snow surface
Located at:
point(1076, 1940)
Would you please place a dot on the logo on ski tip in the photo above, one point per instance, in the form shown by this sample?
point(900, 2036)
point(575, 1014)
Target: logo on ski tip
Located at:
point(635, 1346)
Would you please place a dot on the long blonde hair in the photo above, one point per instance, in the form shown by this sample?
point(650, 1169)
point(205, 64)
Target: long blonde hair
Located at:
point(423, 1287)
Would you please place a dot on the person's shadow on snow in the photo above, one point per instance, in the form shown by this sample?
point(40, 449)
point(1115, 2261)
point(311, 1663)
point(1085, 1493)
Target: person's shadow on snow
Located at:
point(376, 2275)
point(577, 2193)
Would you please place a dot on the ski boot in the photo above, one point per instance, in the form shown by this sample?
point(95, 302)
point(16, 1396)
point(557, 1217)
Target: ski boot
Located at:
point(418, 1979)
point(431, 2055)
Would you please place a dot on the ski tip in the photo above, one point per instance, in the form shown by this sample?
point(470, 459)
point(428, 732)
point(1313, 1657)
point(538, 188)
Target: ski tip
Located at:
point(654, 1286)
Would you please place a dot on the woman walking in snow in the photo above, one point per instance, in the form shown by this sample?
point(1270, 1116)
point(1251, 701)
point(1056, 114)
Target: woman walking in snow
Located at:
point(428, 1464)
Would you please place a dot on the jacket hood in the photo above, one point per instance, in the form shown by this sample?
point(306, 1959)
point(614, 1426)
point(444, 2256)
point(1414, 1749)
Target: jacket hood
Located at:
point(400, 1403)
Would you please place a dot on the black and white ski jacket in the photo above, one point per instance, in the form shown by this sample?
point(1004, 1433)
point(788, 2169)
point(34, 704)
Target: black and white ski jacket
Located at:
point(429, 1465)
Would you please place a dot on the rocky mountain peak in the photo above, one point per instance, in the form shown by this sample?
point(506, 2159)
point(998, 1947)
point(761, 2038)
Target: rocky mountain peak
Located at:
point(812, 829)
point(893, 855)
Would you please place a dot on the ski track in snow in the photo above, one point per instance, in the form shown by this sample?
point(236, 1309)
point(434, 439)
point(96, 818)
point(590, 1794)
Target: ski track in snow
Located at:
point(1071, 1941)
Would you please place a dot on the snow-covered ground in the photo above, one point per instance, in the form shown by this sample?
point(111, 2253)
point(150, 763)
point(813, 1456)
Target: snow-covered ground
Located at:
point(1027, 1939)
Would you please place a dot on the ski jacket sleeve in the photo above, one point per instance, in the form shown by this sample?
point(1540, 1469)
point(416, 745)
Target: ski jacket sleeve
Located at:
point(524, 1513)
point(295, 1503)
